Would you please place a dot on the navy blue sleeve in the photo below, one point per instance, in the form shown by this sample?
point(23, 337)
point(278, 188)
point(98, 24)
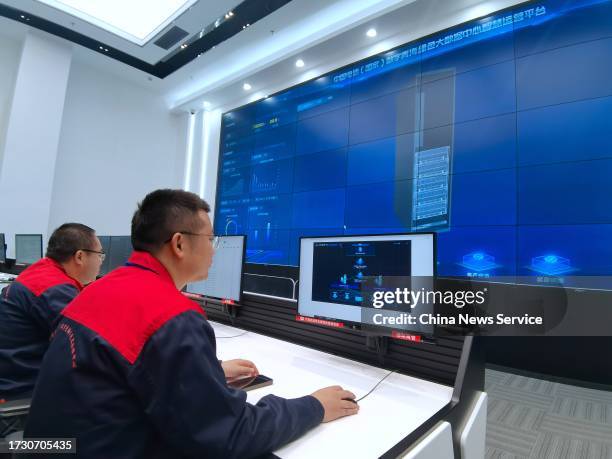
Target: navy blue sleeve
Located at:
point(47, 307)
point(182, 387)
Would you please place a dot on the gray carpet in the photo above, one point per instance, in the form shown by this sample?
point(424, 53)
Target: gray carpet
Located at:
point(532, 418)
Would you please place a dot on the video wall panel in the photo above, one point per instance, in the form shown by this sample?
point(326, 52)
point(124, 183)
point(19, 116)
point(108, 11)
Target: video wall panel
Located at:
point(494, 134)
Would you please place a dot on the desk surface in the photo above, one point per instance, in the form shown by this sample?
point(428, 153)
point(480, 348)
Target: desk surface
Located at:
point(397, 407)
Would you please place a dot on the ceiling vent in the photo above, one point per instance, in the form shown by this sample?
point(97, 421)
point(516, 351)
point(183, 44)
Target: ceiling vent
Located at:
point(171, 38)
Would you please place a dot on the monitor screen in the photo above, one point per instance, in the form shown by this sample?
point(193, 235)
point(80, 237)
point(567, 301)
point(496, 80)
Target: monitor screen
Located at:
point(225, 274)
point(339, 276)
point(2, 248)
point(28, 248)
point(105, 241)
point(120, 251)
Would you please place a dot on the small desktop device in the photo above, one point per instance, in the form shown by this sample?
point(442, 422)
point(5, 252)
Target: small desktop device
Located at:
point(248, 384)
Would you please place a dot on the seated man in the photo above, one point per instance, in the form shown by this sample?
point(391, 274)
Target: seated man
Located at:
point(30, 306)
point(132, 370)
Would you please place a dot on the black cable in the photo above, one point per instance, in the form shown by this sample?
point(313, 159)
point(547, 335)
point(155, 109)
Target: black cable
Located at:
point(377, 384)
point(234, 336)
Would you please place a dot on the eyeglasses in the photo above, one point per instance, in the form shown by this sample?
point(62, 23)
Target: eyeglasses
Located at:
point(101, 253)
point(214, 240)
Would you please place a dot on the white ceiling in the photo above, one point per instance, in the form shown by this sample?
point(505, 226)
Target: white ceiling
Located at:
point(326, 34)
point(267, 61)
point(137, 20)
point(199, 15)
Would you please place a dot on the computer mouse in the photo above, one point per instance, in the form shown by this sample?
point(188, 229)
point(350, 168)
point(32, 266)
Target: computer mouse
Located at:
point(350, 400)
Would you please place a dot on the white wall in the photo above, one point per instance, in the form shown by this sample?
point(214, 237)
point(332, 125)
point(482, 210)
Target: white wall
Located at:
point(10, 51)
point(118, 142)
point(32, 135)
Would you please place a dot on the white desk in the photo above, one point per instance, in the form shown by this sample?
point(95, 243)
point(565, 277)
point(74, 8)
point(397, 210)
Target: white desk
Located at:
point(397, 407)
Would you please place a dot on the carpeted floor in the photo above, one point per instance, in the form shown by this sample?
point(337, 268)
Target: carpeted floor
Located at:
point(532, 418)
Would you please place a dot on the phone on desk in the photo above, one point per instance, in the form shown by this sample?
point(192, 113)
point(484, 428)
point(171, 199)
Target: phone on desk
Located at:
point(248, 384)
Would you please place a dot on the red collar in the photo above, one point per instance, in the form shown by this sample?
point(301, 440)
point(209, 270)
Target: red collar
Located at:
point(57, 265)
point(147, 261)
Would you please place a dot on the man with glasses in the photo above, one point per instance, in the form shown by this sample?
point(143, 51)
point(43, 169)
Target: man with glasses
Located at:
point(132, 369)
point(30, 306)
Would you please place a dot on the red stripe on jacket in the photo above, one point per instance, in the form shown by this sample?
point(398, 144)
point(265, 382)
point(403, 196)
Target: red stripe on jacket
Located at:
point(45, 274)
point(127, 306)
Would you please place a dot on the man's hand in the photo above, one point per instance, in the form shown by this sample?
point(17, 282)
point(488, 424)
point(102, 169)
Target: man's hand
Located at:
point(332, 399)
point(239, 369)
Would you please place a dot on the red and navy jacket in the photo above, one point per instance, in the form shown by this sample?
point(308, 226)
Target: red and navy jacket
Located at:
point(132, 372)
point(29, 309)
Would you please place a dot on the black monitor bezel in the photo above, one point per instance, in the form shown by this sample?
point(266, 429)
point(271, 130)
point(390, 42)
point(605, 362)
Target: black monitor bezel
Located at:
point(3, 248)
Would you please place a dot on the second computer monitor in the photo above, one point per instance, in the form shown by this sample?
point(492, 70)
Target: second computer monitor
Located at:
point(119, 252)
point(340, 276)
point(28, 248)
point(105, 242)
point(225, 274)
point(2, 248)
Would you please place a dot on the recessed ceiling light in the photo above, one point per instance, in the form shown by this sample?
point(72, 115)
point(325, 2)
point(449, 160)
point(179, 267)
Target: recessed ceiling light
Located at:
point(299, 63)
point(246, 87)
point(371, 33)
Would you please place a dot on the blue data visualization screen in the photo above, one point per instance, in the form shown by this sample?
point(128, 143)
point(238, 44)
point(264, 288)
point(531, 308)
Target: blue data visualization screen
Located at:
point(494, 134)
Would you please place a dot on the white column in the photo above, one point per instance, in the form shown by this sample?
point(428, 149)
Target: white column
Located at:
point(32, 136)
point(210, 156)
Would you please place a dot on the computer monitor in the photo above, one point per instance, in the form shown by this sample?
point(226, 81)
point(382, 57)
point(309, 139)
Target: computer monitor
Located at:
point(2, 248)
point(340, 275)
point(225, 274)
point(28, 248)
point(105, 241)
point(119, 252)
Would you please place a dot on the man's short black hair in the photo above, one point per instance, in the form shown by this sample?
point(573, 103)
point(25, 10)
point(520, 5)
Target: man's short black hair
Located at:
point(69, 238)
point(163, 213)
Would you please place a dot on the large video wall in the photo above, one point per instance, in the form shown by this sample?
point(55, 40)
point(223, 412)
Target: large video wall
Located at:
point(496, 134)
